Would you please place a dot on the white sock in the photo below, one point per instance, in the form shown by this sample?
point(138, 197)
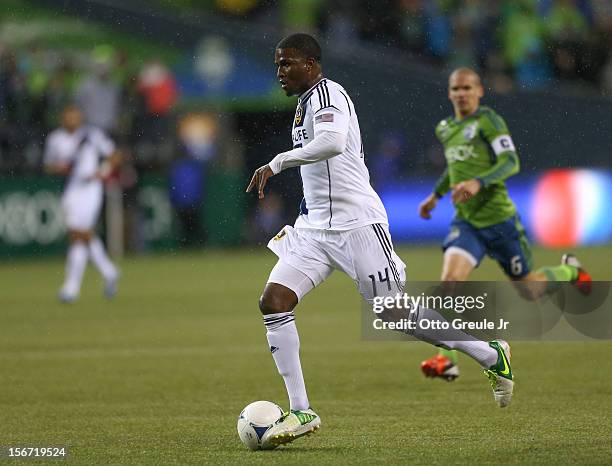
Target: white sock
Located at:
point(285, 347)
point(452, 338)
point(76, 260)
point(101, 260)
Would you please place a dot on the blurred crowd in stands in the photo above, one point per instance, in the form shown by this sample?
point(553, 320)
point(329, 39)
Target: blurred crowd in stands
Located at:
point(514, 43)
point(519, 44)
point(132, 105)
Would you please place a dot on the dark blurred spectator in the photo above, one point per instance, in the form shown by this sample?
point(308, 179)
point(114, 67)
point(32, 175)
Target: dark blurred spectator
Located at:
point(378, 21)
point(568, 31)
point(98, 95)
point(158, 88)
point(465, 24)
point(21, 128)
point(197, 146)
point(438, 28)
point(301, 15)
point(58, 94)
point(267, 219)
point(412, 25)
point(387, 164)
point(187, 195)
point(341, 25)
point(524, 45)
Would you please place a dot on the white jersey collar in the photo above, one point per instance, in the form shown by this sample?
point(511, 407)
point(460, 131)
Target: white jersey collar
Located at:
point(310, 89)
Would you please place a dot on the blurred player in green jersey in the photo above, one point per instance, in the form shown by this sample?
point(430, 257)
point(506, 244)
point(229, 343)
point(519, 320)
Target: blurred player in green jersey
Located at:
point(480, 156)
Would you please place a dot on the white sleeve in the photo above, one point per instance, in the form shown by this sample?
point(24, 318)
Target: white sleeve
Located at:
point(326, 144)
point(331, 111)
point(102, 142)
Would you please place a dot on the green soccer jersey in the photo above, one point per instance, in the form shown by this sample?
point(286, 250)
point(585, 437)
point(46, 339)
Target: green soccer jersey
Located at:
point(479, 146)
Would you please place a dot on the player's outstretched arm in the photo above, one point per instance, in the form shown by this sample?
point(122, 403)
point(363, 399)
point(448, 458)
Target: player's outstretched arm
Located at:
point(259, 180)
point(430, 203)
point(325, 145)
point(427, 206)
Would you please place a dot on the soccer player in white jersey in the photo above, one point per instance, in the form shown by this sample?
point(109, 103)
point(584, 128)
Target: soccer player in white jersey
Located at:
point(85, 156)
point(342, 225)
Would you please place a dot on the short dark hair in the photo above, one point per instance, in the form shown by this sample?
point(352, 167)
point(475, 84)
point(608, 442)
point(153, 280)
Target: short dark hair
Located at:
point(304, 43)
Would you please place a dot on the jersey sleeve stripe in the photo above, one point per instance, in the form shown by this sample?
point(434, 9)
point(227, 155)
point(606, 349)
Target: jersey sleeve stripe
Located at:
point(329, 106)
point(347, 102)
point(326, 92)
point(323, 94)
point(320, 99)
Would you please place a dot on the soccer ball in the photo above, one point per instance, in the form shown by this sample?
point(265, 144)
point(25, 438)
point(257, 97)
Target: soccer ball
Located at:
point(255, 420)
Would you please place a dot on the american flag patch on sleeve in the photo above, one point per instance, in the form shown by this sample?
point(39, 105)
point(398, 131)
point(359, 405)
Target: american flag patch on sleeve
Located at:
point(324, 118)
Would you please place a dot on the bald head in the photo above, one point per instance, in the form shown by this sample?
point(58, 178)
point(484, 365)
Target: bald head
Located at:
point(465, 72)
point(464, 91)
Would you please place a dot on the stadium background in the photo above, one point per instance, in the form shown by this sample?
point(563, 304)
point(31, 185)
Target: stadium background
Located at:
point(188, 90)
point(209, 72)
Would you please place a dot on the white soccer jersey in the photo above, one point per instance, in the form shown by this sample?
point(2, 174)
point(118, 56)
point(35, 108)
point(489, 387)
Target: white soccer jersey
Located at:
point(82, 150)
point(337, 190)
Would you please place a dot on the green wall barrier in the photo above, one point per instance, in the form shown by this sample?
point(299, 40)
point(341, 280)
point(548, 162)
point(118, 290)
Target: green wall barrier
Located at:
point(30, 217)
point(31, 222)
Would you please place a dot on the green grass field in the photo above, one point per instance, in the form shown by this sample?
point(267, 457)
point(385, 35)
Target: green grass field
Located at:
point(159, 375)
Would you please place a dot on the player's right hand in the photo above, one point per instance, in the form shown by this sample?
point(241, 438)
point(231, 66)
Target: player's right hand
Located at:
point(259, 180)
point(427, 206)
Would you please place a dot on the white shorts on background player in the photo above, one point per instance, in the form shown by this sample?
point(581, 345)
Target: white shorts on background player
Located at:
point(361, 253)
point(83, 150)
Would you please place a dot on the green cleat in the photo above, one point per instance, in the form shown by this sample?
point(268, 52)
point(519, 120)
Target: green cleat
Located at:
point(583, 281)
point(500, 374)
point(292, 425)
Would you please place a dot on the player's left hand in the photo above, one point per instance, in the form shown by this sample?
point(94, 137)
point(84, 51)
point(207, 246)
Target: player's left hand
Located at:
point(465, 191)
point(259, 180)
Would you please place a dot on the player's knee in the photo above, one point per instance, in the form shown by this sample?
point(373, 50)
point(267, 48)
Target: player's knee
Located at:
point(275, 300)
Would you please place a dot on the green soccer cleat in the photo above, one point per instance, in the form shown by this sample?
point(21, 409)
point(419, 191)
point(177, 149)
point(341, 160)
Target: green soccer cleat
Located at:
point(583, 281)
point(292, 425)
point(500, 374)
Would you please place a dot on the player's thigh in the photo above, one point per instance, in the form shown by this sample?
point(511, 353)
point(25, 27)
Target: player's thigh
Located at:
point(372, 262)
point(463, 251)
point(298, 251)
point(507, 243)
point(290, 277)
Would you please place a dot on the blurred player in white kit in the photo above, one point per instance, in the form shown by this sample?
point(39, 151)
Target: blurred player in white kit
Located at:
point(85, 156)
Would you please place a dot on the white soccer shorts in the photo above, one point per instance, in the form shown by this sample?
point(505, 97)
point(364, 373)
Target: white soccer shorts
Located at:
point(365, 254)
point(81, 208)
